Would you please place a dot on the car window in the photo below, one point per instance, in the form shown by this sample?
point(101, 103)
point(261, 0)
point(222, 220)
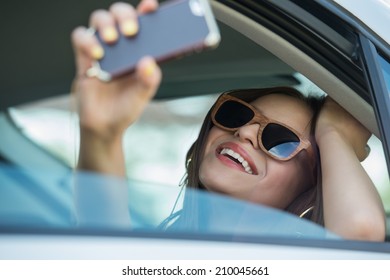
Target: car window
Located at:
point(154, 194)
point(155, 146)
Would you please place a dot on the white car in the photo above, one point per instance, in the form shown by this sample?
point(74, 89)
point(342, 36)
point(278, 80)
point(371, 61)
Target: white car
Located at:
point(338, 47)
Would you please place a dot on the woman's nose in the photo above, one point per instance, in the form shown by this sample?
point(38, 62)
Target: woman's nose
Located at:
point(249, 133)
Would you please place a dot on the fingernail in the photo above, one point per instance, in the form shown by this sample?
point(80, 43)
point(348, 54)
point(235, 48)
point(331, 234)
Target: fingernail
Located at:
point(130, 27)
point(110, 34)
point(97, 52)
point(149, 69)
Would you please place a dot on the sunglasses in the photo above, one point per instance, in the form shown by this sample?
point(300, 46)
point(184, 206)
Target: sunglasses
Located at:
point(276, 139)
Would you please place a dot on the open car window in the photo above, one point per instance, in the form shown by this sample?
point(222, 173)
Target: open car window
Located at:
point(156, 145)
point(155, 149)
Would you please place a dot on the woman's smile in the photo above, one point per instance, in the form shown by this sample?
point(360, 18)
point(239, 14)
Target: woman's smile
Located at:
point(234, 156)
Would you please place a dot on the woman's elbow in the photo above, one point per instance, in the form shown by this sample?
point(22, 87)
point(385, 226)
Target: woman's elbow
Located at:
point(365, 228)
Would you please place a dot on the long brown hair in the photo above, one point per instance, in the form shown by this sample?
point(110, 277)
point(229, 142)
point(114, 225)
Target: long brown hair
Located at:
point(310, 199)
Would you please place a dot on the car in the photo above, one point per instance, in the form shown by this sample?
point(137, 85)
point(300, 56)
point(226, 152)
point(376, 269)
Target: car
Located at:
point(337, 47)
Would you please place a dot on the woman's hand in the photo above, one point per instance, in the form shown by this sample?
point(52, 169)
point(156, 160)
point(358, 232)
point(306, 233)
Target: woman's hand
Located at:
point(333, 119)
point(107, 109)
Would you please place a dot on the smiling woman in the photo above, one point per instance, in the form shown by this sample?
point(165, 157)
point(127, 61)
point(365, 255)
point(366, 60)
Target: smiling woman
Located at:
point(236, 138)
point(240, 150)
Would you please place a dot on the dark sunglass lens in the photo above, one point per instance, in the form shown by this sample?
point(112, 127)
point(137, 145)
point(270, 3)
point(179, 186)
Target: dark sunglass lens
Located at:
point(233, 114)
point(279, 140)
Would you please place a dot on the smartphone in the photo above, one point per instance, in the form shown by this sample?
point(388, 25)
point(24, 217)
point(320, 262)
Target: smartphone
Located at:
point(177, 28)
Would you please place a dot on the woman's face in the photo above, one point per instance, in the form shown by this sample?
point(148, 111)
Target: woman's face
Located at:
point(272, 182)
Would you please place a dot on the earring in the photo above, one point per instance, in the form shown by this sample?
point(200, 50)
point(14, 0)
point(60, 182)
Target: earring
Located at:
point(306, 211)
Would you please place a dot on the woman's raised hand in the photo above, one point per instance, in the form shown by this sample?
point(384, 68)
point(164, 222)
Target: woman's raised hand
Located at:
point(107, 109)
point(333, 119)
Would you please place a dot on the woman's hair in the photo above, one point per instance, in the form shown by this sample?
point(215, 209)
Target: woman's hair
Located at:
point(311, 198)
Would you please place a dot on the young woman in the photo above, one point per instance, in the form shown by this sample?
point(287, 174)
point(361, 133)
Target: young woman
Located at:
point(267, 146)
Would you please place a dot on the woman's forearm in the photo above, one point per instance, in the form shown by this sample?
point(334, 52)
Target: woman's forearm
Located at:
point(352, 206)
point(101, 155)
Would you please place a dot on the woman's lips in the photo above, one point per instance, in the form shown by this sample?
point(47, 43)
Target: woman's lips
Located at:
point(234, 156)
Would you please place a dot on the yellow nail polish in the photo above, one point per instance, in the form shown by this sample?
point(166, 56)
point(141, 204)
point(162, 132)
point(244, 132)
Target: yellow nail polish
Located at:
point(97, 52)
point(130, 27)
point(110, 34)
point(150, 69)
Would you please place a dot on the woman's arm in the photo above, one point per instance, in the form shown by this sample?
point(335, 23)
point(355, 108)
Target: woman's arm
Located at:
point(107, 109)
point(352, 206)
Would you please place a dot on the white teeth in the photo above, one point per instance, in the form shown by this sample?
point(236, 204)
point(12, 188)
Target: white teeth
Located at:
point(248, 170)
point(238, 157)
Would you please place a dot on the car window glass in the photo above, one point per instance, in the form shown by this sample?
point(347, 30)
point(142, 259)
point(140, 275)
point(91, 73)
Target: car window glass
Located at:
point(386, 71)
point(380, 162)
